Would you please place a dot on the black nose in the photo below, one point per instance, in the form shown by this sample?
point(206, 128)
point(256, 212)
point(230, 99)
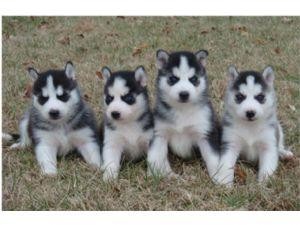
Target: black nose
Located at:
point(184, 96)
point(116, 115)
point(250, 114)
point(54, 114)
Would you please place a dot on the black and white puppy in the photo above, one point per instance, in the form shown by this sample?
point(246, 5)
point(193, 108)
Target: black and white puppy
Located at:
point(184, 117)
point(128, 121)
point(58, 120)
point(250, 125)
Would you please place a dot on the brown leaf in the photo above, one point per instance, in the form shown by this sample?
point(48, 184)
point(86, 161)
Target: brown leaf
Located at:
point(85, 25)
point(27, 91)
point(167, 29)
point(240, 175)
point(204, 32)
point(259, 41)
point(139, 49)
point(99, 75)
point(277, 50)
point(86, 97)
point(28, 63)
point(65, 40)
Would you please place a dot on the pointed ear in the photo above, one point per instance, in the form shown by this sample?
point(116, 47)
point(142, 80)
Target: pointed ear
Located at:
point(106, 73)
point(201, 56)
point(141, 76)
point(232, 73)
point(70, 70)
point(162, 58)
point(33, 73)
point(268, 75)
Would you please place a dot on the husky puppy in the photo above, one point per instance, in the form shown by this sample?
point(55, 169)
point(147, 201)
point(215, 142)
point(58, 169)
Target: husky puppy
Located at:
point(184, 117)
point(250, 125)
point(58, 120)
point(128, 121)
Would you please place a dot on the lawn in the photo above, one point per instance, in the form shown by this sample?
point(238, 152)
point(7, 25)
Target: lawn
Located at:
point(125, 43)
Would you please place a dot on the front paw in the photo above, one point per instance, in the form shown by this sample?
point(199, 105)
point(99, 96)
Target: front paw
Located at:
point(109, 175)
point(52, 172)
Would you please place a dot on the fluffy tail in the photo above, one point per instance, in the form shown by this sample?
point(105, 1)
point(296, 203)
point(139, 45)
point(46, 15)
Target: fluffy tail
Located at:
point(10, 137)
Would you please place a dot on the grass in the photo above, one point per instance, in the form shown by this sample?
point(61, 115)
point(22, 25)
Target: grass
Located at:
point(124, 43)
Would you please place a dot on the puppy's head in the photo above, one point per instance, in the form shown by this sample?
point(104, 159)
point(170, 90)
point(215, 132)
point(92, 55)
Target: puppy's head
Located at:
point(125, 96)
point(250, 94)
point(181, 76)
point(55, 92)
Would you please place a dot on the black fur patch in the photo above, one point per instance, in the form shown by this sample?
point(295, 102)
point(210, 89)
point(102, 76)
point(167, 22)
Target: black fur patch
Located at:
point(242, 79)
point(59, 78)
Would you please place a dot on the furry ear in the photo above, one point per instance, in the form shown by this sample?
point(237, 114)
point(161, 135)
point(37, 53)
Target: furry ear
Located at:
point(70, 70)
point(232, 73)
point(162, 58)
point(201, 56)
point(33, 73)
point(106, 73)
point(268, 75)
point(141, 76)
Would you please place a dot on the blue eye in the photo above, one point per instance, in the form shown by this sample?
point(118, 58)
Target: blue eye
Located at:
point(194, 80)
point(172, 80)
point(129, 98)
point(108, 99)
point(239, 98)
point(260, 98)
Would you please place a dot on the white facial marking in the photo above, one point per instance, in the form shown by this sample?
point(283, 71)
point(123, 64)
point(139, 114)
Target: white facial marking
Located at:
point(250, 88)
point(59, 90)
point(118, 88)
point(184, 70)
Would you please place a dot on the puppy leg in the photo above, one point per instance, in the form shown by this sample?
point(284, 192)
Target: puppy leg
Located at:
point(283, 154)
point(46, 157)
point(268, 161)
point(157, 159)
point(24, 136)
point(90, 151)
point(210, 156)
point(111, 161)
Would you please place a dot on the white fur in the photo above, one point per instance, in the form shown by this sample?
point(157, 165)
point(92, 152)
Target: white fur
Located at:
point(60, 142)
point(24, 136)
point(128, 139)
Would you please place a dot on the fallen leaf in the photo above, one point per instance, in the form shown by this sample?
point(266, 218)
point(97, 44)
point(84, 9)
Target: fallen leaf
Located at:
point(259, 41)
point(80, 35)
point(292, 107)
point(204, 32)
point(86, 97)
point(27, 91)
point(240, 175)
point(277, 50)
point(99, 75)
point(65, 40)
point(28, 63)
point(167, 29)
point(138, 50)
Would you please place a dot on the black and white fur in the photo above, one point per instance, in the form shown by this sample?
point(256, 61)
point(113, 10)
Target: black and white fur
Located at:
point(250, 125)
point(184, 117)
point(58, 120)
point(128, 121)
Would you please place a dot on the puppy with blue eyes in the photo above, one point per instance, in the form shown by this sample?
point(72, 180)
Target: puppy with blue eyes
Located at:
point(128, 121)
point(250, 125)
point(184, 118)
point(58, 120)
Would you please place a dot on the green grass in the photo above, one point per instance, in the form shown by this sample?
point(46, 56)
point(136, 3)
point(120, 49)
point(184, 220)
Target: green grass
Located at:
point(125, 43)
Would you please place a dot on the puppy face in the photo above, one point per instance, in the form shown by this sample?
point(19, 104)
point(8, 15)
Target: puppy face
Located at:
point(55, 93)
point(251, 94)
point(124, 94)
point(181, 76)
